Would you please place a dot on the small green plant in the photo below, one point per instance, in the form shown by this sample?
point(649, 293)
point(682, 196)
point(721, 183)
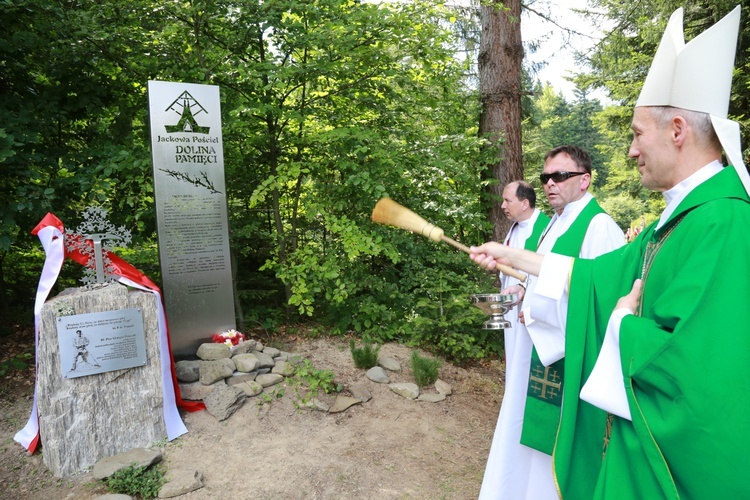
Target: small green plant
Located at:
point(365, 357)
point(425, 369)
point(267, 398)
point(262, 399)
point(143, 482)
point(309, 381)
point(17, 362)
point(161, 443)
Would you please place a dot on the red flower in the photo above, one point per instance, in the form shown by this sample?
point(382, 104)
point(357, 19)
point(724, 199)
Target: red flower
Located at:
point(232, 336)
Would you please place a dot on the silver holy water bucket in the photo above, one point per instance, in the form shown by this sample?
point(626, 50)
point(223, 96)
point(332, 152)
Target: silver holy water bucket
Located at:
point(495, 305)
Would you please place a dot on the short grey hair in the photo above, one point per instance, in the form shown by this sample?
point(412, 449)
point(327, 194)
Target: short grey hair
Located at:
point(699, 121)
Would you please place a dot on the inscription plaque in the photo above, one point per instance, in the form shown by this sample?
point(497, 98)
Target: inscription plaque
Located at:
point(101, 342)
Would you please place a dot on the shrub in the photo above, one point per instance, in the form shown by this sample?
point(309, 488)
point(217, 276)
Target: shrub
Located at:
point(143, 482)
point(454, 331)
point(425, 369)
point(311, 381)
point(365, 357)
point(17, 363)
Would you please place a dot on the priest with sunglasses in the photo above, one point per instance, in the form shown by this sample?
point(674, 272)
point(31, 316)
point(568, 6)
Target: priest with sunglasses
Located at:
point(519, 465)
point(655, 403)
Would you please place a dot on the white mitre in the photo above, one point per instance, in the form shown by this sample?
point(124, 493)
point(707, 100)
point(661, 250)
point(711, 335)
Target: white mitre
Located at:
point(698, 77)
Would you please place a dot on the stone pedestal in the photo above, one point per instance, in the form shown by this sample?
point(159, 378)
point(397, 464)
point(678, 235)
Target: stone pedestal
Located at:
point(84, 419)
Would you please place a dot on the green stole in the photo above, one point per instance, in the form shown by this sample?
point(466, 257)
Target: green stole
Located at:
point(532, 242)
point(541, 416)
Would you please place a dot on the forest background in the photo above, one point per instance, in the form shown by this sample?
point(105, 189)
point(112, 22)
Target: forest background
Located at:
point(327, 106)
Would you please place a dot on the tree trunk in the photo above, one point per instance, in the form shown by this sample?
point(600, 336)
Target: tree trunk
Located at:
point(500, 58)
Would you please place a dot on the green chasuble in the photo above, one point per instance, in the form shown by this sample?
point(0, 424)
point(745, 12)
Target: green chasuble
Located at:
point(542, 221)
point(684, 359)
point(541, 415)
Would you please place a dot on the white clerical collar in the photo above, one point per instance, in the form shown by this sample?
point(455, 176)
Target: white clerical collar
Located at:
point(674, 196)
point(526, 222)
point(574, 207)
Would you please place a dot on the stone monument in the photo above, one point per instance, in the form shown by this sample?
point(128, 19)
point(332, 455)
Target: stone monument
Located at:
point(191, 212)
point(86, 418)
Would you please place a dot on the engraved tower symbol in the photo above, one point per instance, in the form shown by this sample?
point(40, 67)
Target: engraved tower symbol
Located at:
point(188, 108)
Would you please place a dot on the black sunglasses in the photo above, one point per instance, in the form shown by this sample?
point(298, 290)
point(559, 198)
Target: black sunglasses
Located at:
point(558, 176)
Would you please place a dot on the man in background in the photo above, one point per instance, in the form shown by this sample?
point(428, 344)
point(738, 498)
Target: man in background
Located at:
point(519, 205)
point(520, 464)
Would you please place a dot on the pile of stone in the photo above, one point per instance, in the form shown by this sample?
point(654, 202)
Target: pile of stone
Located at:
point(224, 377)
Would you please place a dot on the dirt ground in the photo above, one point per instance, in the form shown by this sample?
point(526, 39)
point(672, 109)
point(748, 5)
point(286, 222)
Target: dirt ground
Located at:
point(386, 448)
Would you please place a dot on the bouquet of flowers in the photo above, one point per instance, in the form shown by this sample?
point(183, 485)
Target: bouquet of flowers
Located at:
point(230, 337)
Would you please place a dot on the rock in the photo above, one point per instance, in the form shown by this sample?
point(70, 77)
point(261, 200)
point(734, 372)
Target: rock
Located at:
point(211, 351)
point(258, 346)
point(180, 483)
point(243, 347)
point(238, 378)
point(361, 392)
point(431, 398)
point(269, 379)
point(389, 364)
point(342, 403)
point(251, 388)
point(271, 351)
point(316, 404)
point(283, 368)
point(141, 457)
point(295, 359)
point(246, 362)
point(266, 361)
point(187, 370)
point(229, 363)
point(406, 389)
point(197, 391)
point(222, 402)
point(443, 387)
point(214, 371)
point(377, 374)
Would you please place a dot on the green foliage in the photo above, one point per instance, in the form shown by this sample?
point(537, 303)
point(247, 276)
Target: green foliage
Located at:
point(453, 328)
point(17, 362)
point(625, 211)
point(365, 357)
point(266, 398)
point(425, 369)
point(143, 482)
point(310, 381)
point(443, 319)
point(144, 257)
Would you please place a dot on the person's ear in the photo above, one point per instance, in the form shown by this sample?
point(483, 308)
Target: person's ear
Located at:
point(679, 130)
point(585, 181)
